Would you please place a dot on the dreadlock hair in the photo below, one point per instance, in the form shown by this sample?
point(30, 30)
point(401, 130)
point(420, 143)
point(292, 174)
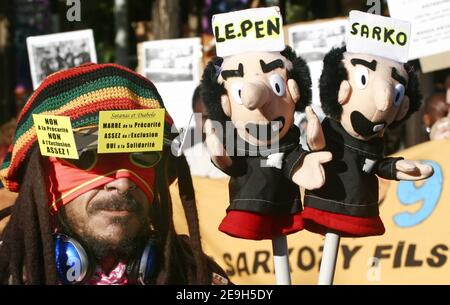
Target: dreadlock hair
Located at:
point(184, 260)
point(334, 73)
point(27, 239)
point(27, 253)
point(211, 91)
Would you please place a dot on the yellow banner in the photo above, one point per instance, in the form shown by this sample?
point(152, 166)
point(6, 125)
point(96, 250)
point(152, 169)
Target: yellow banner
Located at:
point(131, 131)
point(55, 136)
point(414, 249)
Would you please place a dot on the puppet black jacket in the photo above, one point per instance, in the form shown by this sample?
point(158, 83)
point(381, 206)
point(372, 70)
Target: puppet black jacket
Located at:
point(256, 187)
point(351, 185)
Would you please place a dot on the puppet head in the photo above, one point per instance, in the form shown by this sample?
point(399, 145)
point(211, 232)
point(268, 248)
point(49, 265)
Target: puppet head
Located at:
point(367, 86)
point(367, 93)
point(257, 91)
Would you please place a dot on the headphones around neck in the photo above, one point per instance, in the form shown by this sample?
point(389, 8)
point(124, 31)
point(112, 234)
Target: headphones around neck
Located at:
point(75, 265)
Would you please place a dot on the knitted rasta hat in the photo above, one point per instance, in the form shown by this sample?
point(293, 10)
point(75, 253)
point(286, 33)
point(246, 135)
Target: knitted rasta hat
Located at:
point(79, 93)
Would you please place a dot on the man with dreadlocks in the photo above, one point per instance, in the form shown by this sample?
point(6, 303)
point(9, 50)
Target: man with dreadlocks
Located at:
point(103, 218)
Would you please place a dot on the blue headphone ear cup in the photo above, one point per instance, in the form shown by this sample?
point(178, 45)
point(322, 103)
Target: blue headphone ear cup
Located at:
point(72, 260)
point(141, 270)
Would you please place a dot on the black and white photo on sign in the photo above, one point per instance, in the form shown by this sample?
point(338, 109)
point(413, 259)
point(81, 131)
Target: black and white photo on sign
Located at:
point(174, 60)
point(169, 65)
point(312, 41)
point(51, 53)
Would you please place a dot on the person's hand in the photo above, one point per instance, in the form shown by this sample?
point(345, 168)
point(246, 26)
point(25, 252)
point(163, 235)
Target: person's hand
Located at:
point(314, 132)
point(413, 170)
point(215, 146)
point(311, 174)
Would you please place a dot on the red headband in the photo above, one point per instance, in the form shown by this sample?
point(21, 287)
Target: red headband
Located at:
point(66, 182)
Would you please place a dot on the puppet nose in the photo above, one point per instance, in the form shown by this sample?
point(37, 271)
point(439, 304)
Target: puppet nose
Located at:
point(255, 95)
point(384, 97)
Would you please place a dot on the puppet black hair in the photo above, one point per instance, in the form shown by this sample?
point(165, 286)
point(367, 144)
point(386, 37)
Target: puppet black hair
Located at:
point(333, 74)
point(300, 73)
point(212, 91)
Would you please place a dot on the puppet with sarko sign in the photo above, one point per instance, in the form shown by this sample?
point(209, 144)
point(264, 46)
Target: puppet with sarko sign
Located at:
point(365, 88)
point(251, 92)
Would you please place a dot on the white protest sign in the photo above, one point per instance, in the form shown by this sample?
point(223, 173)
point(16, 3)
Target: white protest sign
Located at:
point(250, 30)
point(169, 64)
point(378, 35)
point(430, 25)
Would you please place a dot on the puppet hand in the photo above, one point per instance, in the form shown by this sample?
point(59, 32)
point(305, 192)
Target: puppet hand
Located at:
point(311, 174)
point(413, 170)
point(314, 133)
point(213, 143)
point(215, 147)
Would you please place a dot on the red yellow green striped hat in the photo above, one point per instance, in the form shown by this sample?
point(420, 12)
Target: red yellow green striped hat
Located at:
point(79, 93)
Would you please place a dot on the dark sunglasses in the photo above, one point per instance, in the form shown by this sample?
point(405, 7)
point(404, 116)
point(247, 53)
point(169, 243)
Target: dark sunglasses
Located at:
point(88, 159)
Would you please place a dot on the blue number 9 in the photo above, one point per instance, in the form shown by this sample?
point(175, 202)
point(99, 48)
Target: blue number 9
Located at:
point(429, 193)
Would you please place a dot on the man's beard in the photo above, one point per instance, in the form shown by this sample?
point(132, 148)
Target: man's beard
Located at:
point(100, 247)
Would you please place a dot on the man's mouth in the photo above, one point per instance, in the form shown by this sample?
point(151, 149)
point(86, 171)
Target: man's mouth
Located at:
point(364, 126)
point(119, 206)
point(116, 213)
point(266, 130)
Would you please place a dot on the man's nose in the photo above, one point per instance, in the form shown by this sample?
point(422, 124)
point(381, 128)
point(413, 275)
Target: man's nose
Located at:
point(384, 96)
point(120, 185)
point(255, 94)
